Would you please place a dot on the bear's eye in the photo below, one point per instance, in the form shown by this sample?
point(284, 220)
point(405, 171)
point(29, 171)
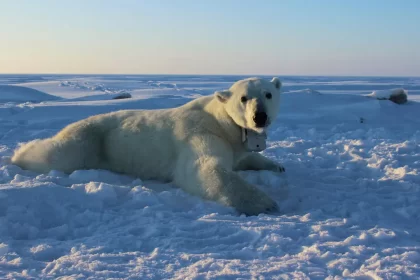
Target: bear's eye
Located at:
point(244, 99)
point(268, 95)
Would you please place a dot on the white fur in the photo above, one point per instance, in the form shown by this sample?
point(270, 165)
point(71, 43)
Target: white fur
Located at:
point(197, 146)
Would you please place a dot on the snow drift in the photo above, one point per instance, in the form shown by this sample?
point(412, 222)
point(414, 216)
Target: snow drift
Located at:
point(10, 93)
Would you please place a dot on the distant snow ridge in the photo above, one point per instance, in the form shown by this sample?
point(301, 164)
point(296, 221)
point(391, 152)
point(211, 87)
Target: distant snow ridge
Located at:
point(306, 90)
point(163, 85)
point(176, 87)
point(109, 92)
point(84, 86)
point(10, 93)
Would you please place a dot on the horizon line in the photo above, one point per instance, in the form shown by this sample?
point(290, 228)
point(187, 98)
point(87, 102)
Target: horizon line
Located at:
point(253, 75)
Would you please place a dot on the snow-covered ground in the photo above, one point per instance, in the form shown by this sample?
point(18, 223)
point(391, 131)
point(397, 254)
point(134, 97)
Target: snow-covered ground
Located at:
point(350, 199)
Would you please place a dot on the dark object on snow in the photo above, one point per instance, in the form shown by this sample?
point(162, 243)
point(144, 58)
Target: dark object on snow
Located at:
point(397, 95)
point(122, 96)
point(400, 98)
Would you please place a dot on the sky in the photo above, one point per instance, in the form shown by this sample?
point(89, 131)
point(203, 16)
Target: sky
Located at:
point(267, 37)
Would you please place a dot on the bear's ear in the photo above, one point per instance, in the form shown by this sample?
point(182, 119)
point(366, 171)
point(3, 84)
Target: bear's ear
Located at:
point(276, 82)
point(223, 96)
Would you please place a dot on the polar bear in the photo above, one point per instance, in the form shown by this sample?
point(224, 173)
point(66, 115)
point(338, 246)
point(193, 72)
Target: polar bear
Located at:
point(197, 146)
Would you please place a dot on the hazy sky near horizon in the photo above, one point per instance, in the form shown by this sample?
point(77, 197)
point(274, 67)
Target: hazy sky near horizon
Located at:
point(290, 37)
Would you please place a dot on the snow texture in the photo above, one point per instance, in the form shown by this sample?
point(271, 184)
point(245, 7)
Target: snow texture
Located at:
point(350, 198)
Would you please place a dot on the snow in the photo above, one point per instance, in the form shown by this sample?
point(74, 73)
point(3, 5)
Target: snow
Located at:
point(349, 201)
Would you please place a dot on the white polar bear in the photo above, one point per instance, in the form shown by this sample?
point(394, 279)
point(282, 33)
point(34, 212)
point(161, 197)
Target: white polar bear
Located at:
point(197, 146)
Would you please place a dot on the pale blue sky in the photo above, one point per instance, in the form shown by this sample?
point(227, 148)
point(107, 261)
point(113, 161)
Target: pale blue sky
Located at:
point(283, 37)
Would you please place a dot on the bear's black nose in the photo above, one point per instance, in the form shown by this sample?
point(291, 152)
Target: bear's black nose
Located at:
point(260, 119)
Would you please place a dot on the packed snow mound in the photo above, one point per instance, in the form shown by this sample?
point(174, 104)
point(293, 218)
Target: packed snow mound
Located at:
point(10, 93)
point(397, 95)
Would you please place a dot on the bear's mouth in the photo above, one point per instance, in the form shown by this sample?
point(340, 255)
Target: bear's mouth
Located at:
point(259, 129)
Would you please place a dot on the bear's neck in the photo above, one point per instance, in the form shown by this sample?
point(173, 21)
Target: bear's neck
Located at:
point(231, 131)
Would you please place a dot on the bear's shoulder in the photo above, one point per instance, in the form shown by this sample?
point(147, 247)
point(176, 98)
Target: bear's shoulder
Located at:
point(194, 118)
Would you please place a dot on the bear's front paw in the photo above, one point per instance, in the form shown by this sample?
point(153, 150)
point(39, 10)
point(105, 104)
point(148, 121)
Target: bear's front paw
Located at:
point(276, 167)
point(280, 168)
point(256, 204)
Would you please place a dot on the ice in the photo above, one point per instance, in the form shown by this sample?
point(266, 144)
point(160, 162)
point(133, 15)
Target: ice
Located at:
point(349, 200)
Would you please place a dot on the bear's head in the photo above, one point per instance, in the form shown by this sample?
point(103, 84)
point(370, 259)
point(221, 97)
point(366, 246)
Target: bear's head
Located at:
point(252, 103)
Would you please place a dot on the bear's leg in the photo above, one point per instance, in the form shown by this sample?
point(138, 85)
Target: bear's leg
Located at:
point(69, 150)
point(256, 161)
point(205, 168)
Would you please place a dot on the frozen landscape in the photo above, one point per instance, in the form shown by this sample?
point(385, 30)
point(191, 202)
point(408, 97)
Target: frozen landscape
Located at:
point(349, 200)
